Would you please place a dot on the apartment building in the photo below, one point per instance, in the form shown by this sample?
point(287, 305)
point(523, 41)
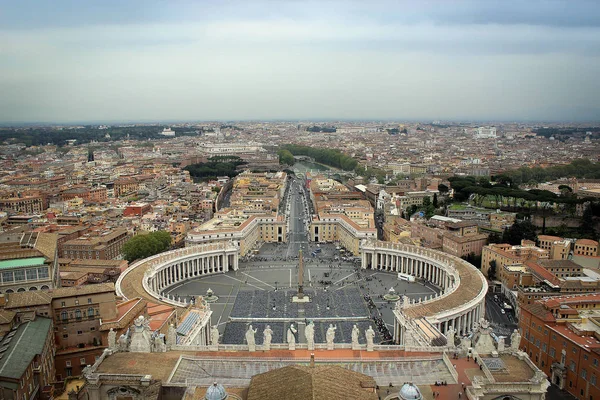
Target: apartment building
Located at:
point(586, 247)
point(22, 205)
point(104, 245)
point(506, 254)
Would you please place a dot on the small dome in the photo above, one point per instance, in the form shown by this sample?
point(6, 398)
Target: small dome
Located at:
point(408, 391)
point(215, 392)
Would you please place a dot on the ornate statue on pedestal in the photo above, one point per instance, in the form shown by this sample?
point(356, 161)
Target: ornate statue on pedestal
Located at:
point(214, 335)
point(355, 333)
point(267, 337)
point(330, 336)
point(250, 338)
point(309, 332)
point(515, 340)
point(112, 339)
point(369, 335)
point(291, 338)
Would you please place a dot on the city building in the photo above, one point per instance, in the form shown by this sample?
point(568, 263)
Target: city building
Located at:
point(560, 335)
point(28, 261)
point(102, 245)
point(27, 360)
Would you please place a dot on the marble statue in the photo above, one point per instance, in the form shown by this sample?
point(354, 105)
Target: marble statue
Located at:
point(250, 338)
point(214, 335)
point(159, 345)
point(330, 336)
point(141, 337)
point(515, 340)
point(112, 339)
point(291, 338)
point(355, 333)
point(267, 337)
point(450, 334)
point(369, 335)
point(171, 337)
point(309, 332)
point(501, 344)
point(123, 343)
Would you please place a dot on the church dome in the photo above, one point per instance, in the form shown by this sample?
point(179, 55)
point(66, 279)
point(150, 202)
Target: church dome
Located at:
point(408, 391)
point(215, 392)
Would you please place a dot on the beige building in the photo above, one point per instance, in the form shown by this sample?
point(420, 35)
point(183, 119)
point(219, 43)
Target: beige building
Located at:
point(506, 254)
point(104, 245)
point(247, 232)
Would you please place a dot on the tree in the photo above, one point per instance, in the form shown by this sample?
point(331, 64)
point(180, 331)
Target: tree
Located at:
point(435, 200)
point(443, 189)
point(519, 231)
point(146, 245)
point(492, 270)
point(285, 157)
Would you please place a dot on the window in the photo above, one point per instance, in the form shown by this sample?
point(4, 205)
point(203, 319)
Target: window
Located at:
point(583, 373)
point(65, 336)
point(82, 360)
point(585, 357)
point(80, 332)
point(93, 328)
point(595, 362)
point(62, 304)
point(90, 300)
point(90, 312)
point(76, 302)
point(552, 352)
point(544, 347)
point(67, 363)
point(31, 274)
point(572, 366)
point(42, 272)
point(537, 343)
point(7, 276)
point(574, 350)
point(78, 314)
point(64, 316)
point(593, 379)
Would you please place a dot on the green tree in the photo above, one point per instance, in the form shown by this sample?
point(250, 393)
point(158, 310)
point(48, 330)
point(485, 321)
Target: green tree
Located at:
point(435, 201)
point(492, 270)
point(146, 245)
point(285, 157)
point(519, 231)
point(443, 189)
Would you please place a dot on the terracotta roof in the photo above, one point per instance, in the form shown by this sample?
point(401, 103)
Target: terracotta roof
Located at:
point(586, 242)
point(126, 312)
point(542, 273)
point(318, 383)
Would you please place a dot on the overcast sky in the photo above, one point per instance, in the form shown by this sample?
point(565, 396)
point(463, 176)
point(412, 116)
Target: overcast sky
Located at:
point(108, 60)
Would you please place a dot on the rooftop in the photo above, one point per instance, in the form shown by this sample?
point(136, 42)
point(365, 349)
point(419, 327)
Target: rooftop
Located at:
point(22, 262)
point(17, 351)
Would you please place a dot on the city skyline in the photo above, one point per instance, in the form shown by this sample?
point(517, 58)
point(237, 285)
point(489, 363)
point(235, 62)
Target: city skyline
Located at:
point(334, 61)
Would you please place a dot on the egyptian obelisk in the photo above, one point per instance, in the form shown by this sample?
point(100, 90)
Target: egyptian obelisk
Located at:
point(300, 297)
point(300, 276)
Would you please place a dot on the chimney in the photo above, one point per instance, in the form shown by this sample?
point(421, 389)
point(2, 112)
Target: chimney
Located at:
point(312, 360)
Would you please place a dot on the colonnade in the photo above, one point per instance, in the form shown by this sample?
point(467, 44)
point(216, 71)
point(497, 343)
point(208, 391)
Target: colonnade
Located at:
point(190, 267)
point(441, 270)
point(429, 270)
